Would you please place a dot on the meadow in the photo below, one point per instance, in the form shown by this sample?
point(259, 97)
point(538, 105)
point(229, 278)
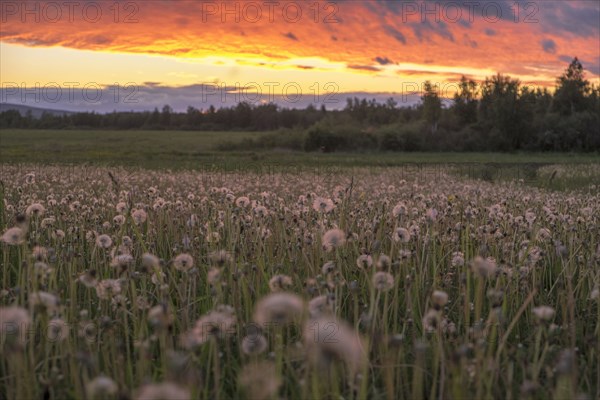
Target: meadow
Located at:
point(154, 266)
point(197, 149)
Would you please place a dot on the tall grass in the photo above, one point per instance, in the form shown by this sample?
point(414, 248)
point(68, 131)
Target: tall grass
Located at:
point(494, 293)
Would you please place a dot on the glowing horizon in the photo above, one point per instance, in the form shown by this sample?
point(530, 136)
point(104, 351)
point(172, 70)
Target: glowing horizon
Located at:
point(370, 47)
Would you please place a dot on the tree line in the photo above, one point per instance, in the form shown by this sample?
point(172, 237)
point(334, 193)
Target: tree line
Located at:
point(498, 114)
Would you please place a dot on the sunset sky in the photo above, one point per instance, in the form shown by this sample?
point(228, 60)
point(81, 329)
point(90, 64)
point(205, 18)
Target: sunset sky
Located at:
point(170, 49)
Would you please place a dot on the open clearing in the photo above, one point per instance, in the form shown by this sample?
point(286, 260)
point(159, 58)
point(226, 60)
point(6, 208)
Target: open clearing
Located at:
point(187, 150)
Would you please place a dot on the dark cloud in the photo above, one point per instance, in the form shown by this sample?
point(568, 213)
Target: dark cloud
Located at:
point(589, 66)
point(549, 46)
point(33, 42)
point(465, 23)
point(395, 7)
point(383, 60)
point(423, 30)
point(492, 9)
point(579, 18)
point(411, 72)
point(593, 68)
point(395, 33)
point(467, 41)
point(172, 52)
point(100, 39)
point(290, 35)
point(364, 68)
point(565, 58)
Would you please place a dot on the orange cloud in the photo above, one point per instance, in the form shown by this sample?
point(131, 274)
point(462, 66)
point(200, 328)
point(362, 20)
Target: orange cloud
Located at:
point(363, 36)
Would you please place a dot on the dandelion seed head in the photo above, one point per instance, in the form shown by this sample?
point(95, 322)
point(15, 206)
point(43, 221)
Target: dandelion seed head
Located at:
point(484, 267)
point(126, 241)
point(218, 324)
point(108, 288)
point(330, 340)
point(39, 253)
point(122, 262)
point(333, 239)
point(323, 205)
point(220, 258)
point(458, 259)
point(431, 215)
point(58, 330)
point(35, 210)
point(566, 362)
point(399, 210)
point(320, 305)
point(30, 178)
point(88, 279)
point(48, 222)
point(364, 261)
point(278, 309)
point(259, 380)
point(150, 261)
point(121, 207)
point(13, 236)
point(254, 344)
point(214, 276)
point(383, 281)
point(544, 313)
point(162, 391)
point(103, 241)
point(401, 235)
point(100, 387)
point(242, 202)
point(260, 211)
point(14, 322)
point(328, 267)
point(160, 317)
point(439, 299)
point(543, 234)
point(44, 300)
point(183, 262)
point(279, 283)
point(139, 216)
point(384, 262)
point(431, 320)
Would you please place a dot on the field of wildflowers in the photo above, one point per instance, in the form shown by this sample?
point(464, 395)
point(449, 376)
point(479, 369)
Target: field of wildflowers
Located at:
point(122, 283)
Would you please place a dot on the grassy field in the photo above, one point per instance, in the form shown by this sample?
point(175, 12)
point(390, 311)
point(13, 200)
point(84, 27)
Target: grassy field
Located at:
point(179, 150)
point(150, 148)
point(185, 150)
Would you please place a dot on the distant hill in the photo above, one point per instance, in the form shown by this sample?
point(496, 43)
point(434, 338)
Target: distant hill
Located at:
point(35, 111)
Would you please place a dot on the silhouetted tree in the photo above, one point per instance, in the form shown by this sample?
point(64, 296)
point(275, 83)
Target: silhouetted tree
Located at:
point(571, 90)
point(465, 101)
point(432, 106)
